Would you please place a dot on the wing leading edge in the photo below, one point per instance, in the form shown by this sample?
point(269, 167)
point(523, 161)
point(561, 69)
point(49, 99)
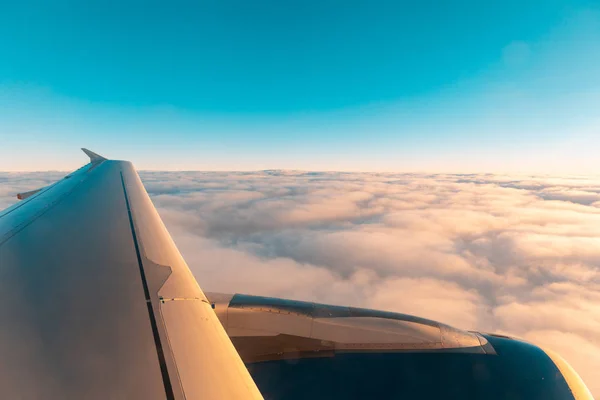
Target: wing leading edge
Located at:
point(98, 302)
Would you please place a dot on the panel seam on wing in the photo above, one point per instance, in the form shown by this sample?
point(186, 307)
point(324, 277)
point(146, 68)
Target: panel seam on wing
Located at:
point(165, 299)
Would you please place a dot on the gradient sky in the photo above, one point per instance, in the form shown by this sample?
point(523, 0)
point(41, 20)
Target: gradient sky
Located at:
point(459, 86)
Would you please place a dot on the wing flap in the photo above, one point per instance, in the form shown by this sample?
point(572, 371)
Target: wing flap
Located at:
point(196, 338)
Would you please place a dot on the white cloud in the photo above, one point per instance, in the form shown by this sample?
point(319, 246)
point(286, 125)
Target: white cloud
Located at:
point(517, 255)
point(513, 254)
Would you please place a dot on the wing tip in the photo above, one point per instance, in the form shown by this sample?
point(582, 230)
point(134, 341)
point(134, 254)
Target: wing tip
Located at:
point(93, 156)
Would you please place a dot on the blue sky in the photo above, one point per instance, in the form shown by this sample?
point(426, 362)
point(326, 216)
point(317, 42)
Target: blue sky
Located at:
point(373, 85)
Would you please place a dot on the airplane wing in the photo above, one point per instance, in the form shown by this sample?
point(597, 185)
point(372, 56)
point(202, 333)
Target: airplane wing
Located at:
point(97, 302)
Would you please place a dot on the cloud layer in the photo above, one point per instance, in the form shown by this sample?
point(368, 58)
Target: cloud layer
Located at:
point(512, 254)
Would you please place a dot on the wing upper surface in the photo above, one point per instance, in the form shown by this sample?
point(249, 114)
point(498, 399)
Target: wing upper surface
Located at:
point(83, 267)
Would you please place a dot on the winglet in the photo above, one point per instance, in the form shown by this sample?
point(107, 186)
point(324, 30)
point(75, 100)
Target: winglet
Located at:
point(93, 156)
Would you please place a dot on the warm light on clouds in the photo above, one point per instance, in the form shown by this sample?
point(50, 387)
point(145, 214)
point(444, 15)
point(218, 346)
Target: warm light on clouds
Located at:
point(509, 254)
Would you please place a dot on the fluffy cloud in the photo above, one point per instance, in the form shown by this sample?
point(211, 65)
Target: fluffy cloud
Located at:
point(511, 254)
